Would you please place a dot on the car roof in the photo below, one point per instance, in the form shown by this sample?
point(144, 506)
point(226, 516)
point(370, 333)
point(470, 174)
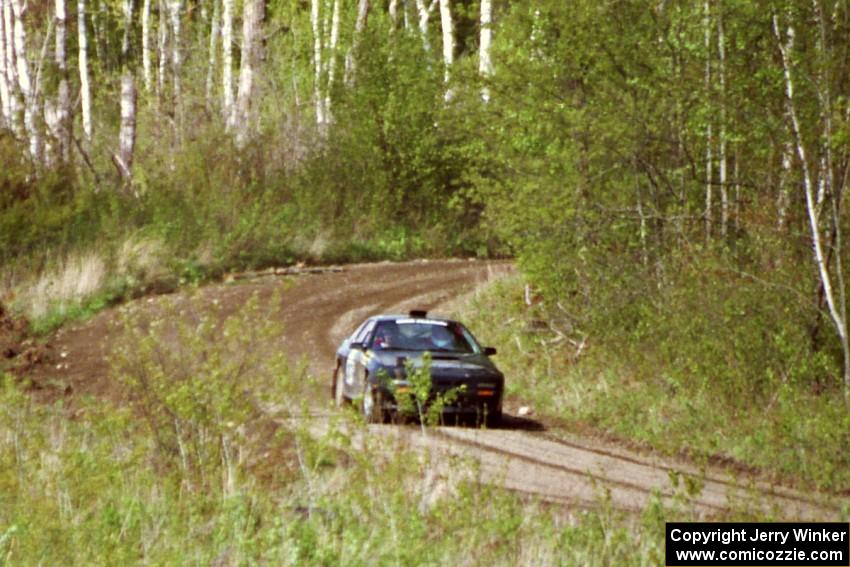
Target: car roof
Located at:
point(407, 316)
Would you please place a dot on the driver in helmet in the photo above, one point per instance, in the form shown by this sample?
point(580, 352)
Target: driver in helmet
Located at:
point(383, 339)
point(441, 337)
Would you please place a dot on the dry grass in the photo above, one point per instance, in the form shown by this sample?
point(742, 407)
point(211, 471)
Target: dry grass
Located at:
point(71, 279)
point(76, 277)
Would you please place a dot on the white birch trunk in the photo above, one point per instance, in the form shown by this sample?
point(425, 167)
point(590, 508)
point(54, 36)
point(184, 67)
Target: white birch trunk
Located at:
point(127, 134)
point(212, 57)
point(447, 26)
point(83, 58)
point(11, 72)
point(724, 193)
point(332, 56)
point(485, 64)
point(359, 27)
point(317, 62)
point(147, 72)
point(162, 47)
point(782, 200)
point(62, 128)
point(227, 61)
point(251, 21)
point(424, 16)
point(127, 8)
point(837, 312)
point(5, 105)
point(25, 80)
point(393, 14)
point(175, 7)
point(709, 157)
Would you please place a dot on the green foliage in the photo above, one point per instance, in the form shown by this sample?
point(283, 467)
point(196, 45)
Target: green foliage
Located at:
point(416, 398)
point(89, 490)
point(714, 367)
point(199, 377)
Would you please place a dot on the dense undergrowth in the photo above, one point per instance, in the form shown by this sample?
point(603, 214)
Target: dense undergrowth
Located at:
point(712, 367)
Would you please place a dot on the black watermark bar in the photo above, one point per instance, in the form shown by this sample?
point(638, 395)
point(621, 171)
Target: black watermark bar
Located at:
point(806, 544)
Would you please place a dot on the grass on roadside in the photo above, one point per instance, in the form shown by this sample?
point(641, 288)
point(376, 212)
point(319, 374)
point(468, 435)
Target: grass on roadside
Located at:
point(664, 393)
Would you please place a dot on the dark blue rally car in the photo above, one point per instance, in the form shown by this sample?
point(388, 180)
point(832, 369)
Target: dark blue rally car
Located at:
point(371, 366)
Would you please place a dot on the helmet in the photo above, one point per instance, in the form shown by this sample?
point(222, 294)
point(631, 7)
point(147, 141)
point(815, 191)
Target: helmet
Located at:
point(441, 337)
point(382, 339)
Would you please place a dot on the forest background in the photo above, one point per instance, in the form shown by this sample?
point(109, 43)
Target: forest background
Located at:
point(669, 176)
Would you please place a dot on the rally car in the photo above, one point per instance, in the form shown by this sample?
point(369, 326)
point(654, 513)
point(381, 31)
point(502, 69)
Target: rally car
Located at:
point(373, 362)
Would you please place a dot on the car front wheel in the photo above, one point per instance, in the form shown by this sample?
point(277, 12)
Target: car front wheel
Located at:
point(371, 405)
point(339, 387)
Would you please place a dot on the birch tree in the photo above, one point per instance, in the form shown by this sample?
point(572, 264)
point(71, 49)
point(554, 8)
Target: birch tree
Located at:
point(447, 26)
point(831, 284)
point(722, 165)
point(127, 131)
point(393, 10)
point(315, 23)
point(83, 63)
point(252, 19)
point(212, 54)
point(25, 81)
point(5, 103)
point(175, 8)
point(62, 122)
point(709, 140)
point(332, 57)
point(11, 71)
point(147, 72)
point(424, 13)
point(359, 27)
point(485, 64)
point(227, 62)
point(162, 47)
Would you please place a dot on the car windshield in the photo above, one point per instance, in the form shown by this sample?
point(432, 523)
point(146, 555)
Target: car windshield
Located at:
point(422, 335)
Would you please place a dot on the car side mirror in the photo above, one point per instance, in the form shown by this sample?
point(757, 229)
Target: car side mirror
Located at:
point(356, 346)
point(489, 351)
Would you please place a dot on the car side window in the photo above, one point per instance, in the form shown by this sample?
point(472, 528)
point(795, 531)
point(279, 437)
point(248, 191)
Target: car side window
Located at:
point(363, 333)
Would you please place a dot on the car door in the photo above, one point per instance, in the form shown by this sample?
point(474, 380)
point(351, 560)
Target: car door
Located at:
point(355, 358)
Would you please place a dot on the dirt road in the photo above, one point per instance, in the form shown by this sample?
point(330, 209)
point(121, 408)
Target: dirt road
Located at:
point(319, 309)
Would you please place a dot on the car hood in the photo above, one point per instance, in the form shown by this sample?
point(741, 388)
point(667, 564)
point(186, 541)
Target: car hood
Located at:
point(440, 361)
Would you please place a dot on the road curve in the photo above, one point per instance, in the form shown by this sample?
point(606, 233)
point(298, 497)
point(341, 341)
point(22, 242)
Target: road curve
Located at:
point(319, 309)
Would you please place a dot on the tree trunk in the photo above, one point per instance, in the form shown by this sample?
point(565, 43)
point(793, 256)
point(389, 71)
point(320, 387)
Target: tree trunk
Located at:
point(359, 27)
point(83, 58)
point(11, 68)
point(212, 57)
point(175, 7)
point(147, 73)
point(332, 56)
point(25, 81)
point(127, 8)
point(252, 19)
point(5, 104)
point(162, 47)
point(424, 16)
point(317, 62)
point(62, 129)
point(783, 199)
point(709, 141)
point(724, 192)
point(485, 64)
point(837, 311)
point(393, 15)
point(127, 134)
point(447, 26)
point(227, 61)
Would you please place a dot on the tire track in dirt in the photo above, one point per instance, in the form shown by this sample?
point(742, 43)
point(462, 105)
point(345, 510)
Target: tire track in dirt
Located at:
point(318, 310)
